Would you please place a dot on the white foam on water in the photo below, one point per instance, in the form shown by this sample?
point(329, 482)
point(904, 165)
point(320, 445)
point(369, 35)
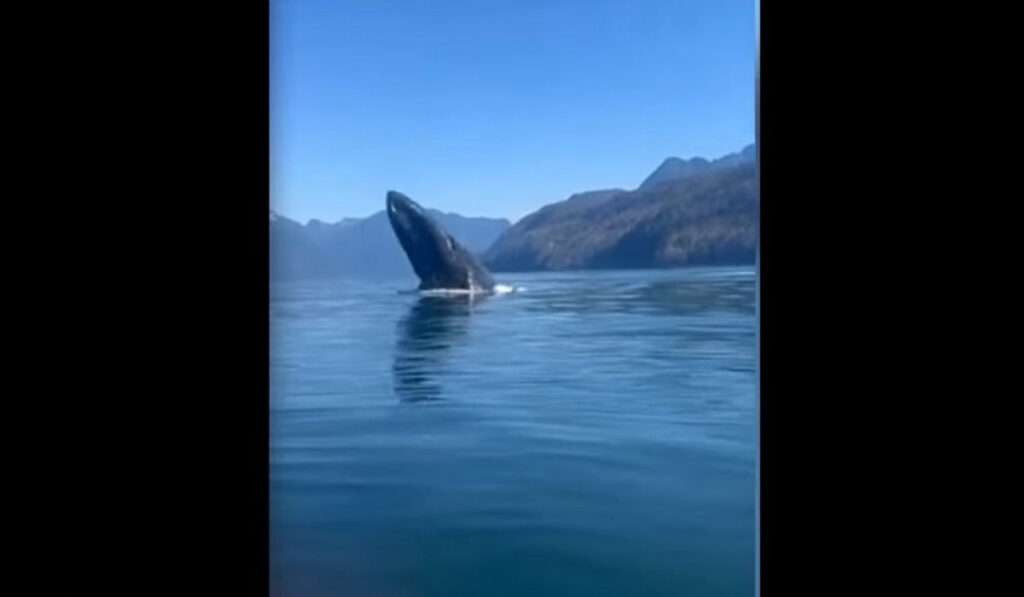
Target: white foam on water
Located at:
point(450, 292)
point(498, 289)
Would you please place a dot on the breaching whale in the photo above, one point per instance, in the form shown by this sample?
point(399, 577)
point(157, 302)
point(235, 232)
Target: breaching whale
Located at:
point(439, 261)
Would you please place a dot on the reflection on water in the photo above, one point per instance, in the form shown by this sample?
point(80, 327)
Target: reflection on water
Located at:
point(425, 337)
point(591, 435)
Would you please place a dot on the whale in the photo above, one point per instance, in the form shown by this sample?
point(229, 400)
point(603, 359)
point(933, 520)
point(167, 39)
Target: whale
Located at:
point(440, 262)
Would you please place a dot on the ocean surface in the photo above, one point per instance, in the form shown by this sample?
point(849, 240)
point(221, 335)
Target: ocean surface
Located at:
point(590, 434)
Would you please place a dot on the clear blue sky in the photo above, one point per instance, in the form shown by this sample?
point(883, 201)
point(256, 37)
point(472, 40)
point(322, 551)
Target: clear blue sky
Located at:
point(498, 107)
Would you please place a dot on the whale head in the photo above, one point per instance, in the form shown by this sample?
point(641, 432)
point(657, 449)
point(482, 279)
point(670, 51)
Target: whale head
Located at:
point(439, 260)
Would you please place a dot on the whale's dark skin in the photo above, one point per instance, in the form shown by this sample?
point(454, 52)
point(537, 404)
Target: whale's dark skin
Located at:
point(438, 259)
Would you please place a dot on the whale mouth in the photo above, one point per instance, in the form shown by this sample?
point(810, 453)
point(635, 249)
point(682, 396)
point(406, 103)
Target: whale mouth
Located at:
point(437, 258)
point(425, 244)
point(399, 203)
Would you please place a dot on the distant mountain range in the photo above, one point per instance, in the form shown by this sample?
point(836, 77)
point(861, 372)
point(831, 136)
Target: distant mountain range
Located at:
point(360, 247)
point(687, 212)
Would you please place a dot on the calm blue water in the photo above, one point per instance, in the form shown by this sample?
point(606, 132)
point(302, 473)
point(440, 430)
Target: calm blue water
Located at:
point(592, 434)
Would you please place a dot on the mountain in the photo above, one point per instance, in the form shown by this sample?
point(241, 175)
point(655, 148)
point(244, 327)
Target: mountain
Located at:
point(687, 212)
point(360, 247)
point(674, 168)
point(293, 254)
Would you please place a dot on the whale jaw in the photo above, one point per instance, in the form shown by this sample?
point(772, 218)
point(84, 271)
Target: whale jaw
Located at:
point(440, 262)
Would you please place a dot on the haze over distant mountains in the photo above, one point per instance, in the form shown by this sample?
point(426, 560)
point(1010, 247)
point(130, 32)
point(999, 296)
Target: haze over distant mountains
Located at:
point(686, 212)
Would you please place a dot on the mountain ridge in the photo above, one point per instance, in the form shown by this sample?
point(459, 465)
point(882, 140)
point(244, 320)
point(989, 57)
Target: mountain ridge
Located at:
point(686, 212)
point(674, 167)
